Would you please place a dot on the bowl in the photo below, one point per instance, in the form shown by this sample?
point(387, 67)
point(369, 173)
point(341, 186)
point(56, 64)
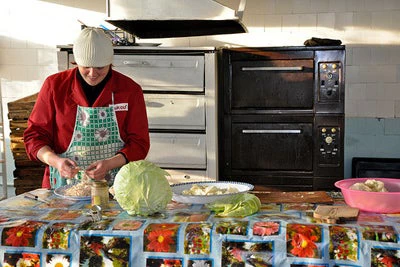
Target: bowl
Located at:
point(178, 196)
point(378, 202)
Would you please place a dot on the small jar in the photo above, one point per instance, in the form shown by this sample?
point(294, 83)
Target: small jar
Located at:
point(99, 193)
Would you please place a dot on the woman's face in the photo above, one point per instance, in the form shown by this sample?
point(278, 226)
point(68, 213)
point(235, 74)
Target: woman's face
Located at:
point(93, 75)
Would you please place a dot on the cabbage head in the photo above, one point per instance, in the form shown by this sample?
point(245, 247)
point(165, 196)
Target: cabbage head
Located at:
point(141, 188)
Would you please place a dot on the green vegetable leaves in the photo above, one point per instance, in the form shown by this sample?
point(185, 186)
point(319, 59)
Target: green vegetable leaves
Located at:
point(142, 188)
point(239, 205)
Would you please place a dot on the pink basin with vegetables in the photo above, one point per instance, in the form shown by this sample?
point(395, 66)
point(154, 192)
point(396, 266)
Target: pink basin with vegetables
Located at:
point(379, 202)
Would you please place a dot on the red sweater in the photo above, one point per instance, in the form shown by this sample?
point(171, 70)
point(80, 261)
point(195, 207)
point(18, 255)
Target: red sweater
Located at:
point(52, 119)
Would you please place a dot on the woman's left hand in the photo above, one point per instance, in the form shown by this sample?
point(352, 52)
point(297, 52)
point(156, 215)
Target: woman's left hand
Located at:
point(97, 170)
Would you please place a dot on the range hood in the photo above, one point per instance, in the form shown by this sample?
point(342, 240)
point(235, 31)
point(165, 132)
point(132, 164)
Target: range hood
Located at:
point(174, 18)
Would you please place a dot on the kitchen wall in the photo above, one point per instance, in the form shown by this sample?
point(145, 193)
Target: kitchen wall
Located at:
point(31, 29)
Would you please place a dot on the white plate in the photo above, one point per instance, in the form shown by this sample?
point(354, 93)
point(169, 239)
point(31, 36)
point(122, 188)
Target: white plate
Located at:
point(61, 193)
point(177, 190)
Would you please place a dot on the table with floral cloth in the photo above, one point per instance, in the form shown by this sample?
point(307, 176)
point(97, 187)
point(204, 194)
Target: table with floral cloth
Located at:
point(62, 232)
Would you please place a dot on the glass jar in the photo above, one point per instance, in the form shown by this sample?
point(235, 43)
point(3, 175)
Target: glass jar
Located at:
point(99, 193)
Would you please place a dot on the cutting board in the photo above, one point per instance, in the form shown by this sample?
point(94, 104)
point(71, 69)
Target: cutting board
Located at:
point(293, 197)
point(332, 214)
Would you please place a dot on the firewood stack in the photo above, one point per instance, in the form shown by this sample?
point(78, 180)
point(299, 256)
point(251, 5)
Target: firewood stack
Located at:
point(27, 174)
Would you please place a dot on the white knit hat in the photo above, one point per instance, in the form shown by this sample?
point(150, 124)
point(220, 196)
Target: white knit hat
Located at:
point(93, 48)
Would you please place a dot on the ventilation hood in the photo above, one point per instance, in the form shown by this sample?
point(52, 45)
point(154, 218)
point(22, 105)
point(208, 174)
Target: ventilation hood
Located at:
point(174, 18)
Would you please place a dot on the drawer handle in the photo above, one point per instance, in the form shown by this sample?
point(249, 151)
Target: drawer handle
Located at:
point(153, 104)
point(300, 68)
point(271, 131)
point(163, 64)
point(186, 176)
point(137, 63)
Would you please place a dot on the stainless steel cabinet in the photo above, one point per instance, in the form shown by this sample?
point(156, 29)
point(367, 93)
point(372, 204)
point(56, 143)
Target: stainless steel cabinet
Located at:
point(179, 86)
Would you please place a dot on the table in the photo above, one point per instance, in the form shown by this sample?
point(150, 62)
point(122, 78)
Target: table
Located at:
point(63, 233)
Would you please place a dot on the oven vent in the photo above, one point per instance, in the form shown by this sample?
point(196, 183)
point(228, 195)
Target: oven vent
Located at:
point(174, 18)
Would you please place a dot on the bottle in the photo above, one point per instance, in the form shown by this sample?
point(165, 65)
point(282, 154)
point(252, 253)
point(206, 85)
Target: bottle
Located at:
point(99, 193)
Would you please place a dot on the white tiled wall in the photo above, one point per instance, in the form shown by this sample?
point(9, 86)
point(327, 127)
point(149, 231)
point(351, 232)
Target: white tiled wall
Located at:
point(370, 29)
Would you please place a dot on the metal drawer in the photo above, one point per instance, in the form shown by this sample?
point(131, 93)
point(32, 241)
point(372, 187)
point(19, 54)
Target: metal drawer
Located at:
point(163, 72)
point(178, 150)
point(176, 111)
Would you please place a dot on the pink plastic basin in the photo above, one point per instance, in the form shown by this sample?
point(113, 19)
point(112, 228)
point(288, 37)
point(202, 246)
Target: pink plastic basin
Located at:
point(379, 202)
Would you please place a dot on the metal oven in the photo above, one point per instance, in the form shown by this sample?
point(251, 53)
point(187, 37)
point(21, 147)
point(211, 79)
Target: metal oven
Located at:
point(281, 116)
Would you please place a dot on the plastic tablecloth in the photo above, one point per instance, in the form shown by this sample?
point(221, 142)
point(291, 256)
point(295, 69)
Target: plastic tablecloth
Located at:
point(63, 232)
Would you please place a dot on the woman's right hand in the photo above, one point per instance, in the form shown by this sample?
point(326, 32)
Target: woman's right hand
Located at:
point(67, 168)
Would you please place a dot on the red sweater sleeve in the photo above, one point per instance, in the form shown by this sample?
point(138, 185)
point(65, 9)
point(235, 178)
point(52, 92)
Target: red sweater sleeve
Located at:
point(40, 123)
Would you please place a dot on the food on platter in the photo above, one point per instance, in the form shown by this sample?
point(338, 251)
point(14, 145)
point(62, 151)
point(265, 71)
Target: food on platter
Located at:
point(207, 190)
point(80, 189)
point(370, 185)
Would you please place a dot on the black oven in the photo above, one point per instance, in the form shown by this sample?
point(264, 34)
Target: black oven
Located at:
point(281, 116)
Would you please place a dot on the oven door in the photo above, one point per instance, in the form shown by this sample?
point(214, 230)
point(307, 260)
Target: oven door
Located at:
point(284, 146)
point(273, 84)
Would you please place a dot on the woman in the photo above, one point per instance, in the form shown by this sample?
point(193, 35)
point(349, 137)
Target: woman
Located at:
point(89, 118)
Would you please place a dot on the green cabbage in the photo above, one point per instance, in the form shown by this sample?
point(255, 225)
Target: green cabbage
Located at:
point(238, 205)
point(141, 188)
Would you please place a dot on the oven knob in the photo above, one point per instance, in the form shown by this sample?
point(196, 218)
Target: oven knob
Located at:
point(323, 130)
point(334, 66)
point(324, 66)
point(328, 139)
point(333, 130)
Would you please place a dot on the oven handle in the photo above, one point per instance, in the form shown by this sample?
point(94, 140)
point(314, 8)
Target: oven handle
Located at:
point(271, 131)
point(300, 68)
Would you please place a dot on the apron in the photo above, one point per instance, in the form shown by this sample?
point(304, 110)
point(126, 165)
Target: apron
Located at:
point(96, 137)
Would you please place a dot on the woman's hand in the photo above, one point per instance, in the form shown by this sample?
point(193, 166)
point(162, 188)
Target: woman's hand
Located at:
point(67, 168)
point(98, 170)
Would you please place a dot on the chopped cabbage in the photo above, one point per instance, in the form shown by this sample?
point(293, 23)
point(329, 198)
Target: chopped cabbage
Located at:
point(142, 188)
point(239, 205)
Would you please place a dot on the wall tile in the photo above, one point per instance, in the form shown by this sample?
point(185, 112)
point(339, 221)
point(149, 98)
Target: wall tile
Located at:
point(392, 127)
point(284, 6)
point(374, 91)
point(361, 56)
point(362, 20)
point(337, 5)
point(326, 22)
point(343, 21)
point(380, 55)
point(356, 91)
point(380, 20)
point(385, 109)
point(373, 5)
point(391, 4)
point(367, 108)
point(290, 23)
point(387, 73)
point(259, 7)
point(254, 23)
point(351, 108)
point(20, 56)
point(369, 73)
point(397, 109)
point(319, 6)
point(308, 22)
point(302, 6)
point(355, 5)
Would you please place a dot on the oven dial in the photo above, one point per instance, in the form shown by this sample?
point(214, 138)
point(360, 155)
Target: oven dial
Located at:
point(328, 139)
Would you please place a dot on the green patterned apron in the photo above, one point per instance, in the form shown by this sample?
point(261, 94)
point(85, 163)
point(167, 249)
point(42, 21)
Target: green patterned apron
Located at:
point(96, 137)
